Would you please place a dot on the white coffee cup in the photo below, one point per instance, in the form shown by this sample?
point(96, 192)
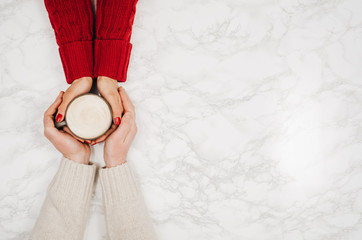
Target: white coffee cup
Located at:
point(88, 116)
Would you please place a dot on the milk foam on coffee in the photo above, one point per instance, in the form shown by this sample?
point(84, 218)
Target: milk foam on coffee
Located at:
point(88, 116)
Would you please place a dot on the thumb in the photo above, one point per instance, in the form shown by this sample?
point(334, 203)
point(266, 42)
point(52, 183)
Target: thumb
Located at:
point(116, 105)
point(67, 98)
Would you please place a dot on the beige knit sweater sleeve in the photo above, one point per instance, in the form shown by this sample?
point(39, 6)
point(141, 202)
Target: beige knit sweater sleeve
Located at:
point(65, 210)
point(125, 210)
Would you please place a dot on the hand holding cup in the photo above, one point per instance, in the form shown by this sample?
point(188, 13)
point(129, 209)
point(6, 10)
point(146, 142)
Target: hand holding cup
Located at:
point(70, 147)
point(118, 143)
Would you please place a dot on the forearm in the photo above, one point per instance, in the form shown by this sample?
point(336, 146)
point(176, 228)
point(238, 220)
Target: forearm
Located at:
point(72, 21)
point(65, 209)
point(112, 51)
point(126, 213)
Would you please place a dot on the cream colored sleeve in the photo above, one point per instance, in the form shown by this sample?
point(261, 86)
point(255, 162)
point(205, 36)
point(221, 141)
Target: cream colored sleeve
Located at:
point(65, 209)
point(126, 214)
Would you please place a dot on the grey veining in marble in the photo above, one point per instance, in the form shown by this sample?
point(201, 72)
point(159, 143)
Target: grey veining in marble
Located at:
point(249, 115)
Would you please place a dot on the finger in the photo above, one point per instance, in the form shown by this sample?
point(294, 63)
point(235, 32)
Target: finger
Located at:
point(68, 96)
point(48, 115)
point(116, 105)
point(126, 101)
point(67, 130)
point(103, 137)
point(53, 107)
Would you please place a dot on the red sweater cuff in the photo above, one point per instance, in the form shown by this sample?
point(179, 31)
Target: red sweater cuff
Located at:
point(112, 58)
point(77, 59)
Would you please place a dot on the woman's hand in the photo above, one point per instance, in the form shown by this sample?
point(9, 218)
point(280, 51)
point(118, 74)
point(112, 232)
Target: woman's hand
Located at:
point(108, 88)
point(78, 87)
point(62, 141)
point(117, 144)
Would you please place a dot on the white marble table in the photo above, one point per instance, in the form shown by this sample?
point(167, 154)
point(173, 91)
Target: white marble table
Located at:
point(249, 115)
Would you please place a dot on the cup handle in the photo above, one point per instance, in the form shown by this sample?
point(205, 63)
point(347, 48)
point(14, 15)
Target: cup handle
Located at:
point(60, 124)
point(94, 88)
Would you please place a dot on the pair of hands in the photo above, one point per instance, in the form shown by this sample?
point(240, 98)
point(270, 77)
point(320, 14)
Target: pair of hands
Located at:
point(116, 144)
point(107, 87)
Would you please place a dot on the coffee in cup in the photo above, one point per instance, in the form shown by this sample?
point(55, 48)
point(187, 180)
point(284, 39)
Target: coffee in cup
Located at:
point(88, 116)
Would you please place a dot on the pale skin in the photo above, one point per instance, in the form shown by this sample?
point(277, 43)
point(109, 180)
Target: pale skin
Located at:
point(116, 144)
point(107, 87)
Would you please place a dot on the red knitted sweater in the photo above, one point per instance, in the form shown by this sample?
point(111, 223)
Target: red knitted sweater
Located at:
point(81, 53)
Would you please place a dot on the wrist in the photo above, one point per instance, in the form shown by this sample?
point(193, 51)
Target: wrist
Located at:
point(114, 162)
point(79, 159)
point(83, 79)
point(104, 79)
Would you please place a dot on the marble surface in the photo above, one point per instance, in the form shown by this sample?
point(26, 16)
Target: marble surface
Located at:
point(249, 115)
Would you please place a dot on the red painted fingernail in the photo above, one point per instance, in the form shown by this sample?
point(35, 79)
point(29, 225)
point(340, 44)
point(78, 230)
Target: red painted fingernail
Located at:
point(59, 117)
point(117, 120)
point(87, 141)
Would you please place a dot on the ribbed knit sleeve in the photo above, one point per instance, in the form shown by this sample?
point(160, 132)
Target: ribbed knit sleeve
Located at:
point(126, 213)
point(112, 48)
point(65, 209)
point(72, 21)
